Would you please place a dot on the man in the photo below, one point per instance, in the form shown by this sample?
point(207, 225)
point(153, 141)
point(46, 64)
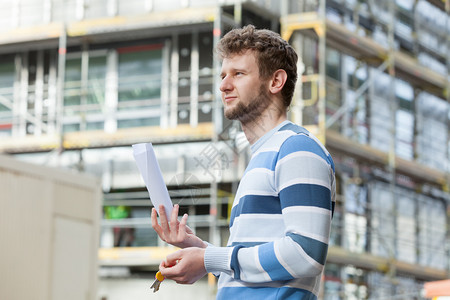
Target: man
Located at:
point(281, 215)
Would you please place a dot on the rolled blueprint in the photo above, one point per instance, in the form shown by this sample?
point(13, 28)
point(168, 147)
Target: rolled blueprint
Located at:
point(147, 164)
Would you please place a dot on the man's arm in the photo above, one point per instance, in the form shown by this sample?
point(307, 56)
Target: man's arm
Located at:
point(305, 182)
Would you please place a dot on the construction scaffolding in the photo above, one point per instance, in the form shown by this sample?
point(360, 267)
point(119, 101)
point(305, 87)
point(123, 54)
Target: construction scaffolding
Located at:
point(94, 77)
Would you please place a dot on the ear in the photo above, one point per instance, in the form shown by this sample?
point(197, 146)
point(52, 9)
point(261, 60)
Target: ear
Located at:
point(277, 82)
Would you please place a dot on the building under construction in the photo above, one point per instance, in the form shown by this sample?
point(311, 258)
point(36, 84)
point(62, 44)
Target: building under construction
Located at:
point(83, 80)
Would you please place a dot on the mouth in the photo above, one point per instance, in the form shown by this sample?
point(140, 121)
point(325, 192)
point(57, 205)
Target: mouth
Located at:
point(228, 99)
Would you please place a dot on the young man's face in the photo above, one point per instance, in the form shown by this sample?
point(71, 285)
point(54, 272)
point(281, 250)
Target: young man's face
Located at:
point(245, 96)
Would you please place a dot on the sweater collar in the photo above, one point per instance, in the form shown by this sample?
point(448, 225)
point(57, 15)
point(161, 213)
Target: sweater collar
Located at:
point(257, 145)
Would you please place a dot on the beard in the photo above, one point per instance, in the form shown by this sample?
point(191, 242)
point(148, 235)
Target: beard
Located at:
point(251, 112)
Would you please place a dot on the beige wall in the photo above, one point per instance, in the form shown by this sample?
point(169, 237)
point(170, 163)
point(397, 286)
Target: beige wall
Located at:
point(49, 222)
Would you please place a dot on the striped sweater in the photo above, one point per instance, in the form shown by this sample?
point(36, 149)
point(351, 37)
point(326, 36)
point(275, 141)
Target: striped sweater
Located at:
point(280, 220)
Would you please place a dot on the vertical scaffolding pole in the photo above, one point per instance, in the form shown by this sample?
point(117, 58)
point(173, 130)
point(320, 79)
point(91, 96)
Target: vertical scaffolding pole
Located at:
point(238, 13)
point(165, 85)
point(111, 92)
point(39, 93)
point(23, 98)
point(84, 84)
point(214, 236)
point(447, 91)
point(296, 109)
point(174, 67)
point(62, 50)
point(52, 93)
point(446, 186)
point(393, 108)
point(321, 32)
point(195, 61)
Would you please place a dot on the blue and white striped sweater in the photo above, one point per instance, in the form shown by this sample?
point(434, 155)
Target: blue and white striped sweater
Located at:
point(280, 220)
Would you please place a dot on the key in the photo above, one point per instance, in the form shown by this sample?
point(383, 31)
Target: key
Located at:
point(158, 279)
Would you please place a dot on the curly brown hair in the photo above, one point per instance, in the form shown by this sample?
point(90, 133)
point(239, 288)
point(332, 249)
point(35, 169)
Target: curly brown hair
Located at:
point(272, 53)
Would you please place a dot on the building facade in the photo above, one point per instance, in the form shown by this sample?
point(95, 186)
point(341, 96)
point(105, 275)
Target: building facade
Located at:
point(83, 80)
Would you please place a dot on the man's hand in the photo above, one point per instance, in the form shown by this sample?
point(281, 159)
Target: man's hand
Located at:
point(174, 232)
point(184, 266)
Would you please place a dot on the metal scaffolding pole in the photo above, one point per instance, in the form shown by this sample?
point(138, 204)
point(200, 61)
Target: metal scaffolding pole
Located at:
point(393, 110)
point(62, 50)
point(446, 185)
point(321, 32)
point(214, 235)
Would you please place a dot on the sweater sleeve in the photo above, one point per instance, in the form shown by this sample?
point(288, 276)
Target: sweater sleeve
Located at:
point(304, 179)
point(217, 259)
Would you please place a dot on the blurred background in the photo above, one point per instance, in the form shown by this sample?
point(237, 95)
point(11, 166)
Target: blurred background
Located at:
point(83, 80)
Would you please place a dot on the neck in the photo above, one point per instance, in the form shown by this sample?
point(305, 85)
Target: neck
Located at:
point(254, 129)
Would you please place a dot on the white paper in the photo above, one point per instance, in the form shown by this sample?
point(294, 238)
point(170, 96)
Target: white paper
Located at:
point(151, 173)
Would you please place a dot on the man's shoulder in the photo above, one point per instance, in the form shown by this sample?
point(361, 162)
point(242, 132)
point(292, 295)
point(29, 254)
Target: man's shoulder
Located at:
point(300, 139)
point(284, 133)
point(294, 128)
point(296, 137)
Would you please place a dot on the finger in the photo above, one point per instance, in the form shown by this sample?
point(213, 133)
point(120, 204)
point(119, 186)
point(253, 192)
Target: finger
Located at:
point(168, 267)
point(164, 265)
point(174, 219)
point(163, 220)
point(189, 230)
point(154, 218)
point(182, 226)
point(170, 272)
point(155, 224)
point(173, 258)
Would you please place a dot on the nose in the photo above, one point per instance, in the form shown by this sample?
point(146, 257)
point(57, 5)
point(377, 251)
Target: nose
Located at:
point(225, 84)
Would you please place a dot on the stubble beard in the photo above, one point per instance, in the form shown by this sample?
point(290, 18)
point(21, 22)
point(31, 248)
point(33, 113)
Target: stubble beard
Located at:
point(251, 112)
